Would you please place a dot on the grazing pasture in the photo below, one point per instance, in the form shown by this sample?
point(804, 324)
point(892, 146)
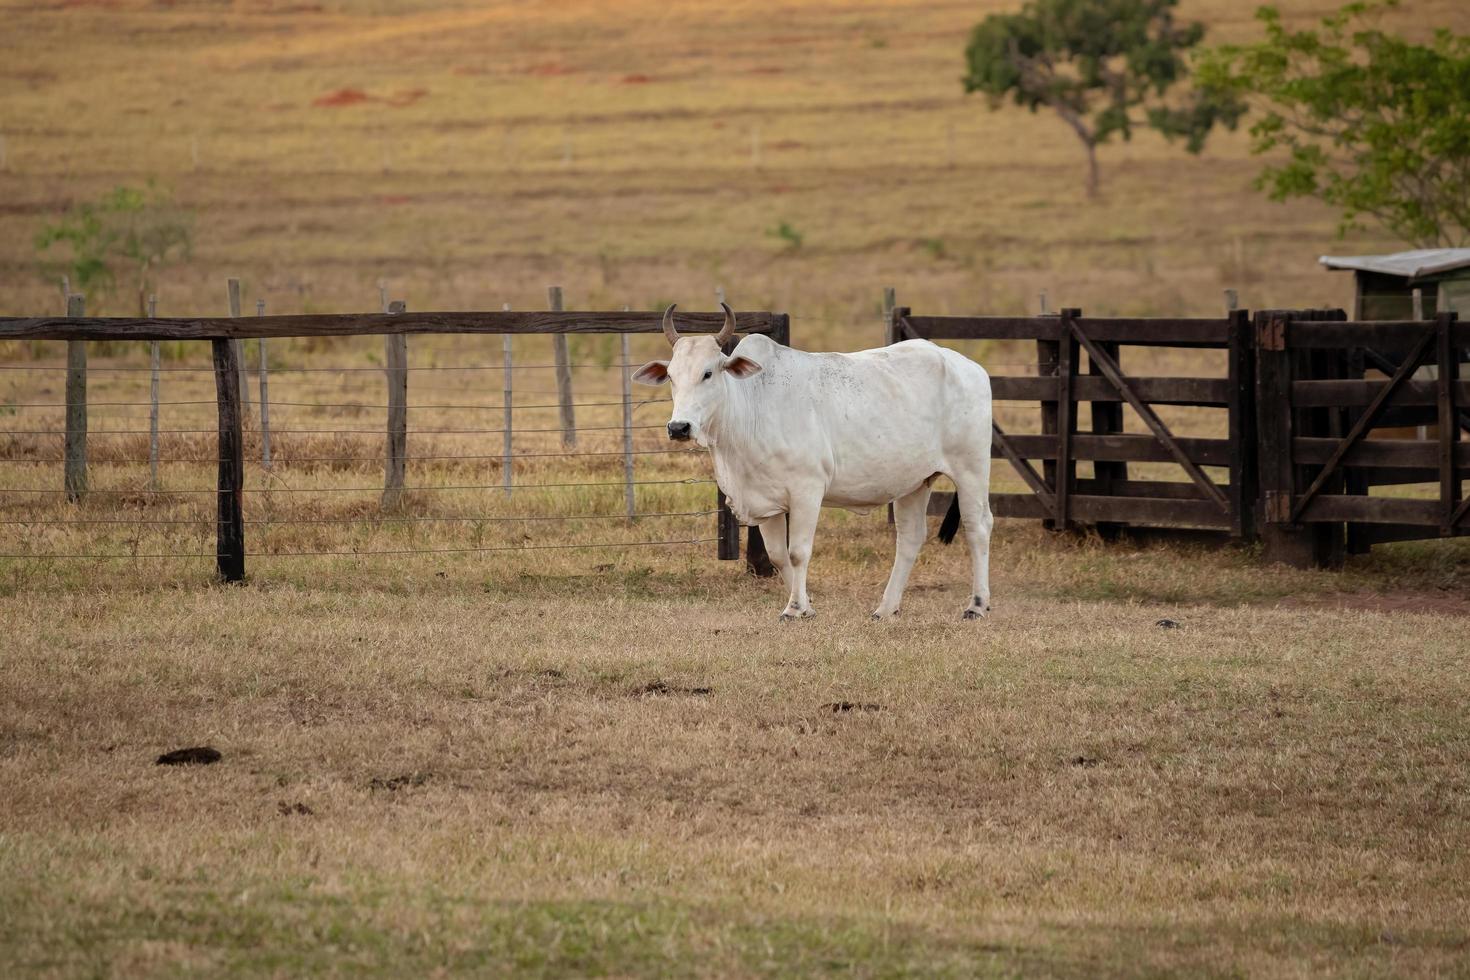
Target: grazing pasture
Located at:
point(613, 761)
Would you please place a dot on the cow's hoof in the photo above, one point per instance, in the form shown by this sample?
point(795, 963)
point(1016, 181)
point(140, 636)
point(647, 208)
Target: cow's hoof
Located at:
point(878, 617)
point(791, 615)
point(973, 614)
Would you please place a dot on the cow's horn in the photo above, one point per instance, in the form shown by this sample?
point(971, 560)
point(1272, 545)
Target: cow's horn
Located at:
point(669, 330)
point(728, 330)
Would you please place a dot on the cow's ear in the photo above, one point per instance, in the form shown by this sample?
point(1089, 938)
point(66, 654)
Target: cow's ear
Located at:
point(652, 373)
point(743, 367)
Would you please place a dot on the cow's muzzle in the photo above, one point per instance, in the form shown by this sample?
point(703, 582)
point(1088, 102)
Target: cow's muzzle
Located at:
point(679, 431)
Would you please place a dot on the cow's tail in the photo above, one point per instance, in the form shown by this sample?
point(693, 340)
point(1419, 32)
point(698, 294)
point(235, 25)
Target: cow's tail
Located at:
point(951, 524)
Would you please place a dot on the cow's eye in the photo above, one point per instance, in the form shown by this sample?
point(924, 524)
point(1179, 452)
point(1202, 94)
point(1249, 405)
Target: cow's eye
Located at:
point(707, 375)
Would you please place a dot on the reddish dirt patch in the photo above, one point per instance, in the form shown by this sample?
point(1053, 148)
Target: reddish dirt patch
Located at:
point(394, 199)
point(1430, 603)
point(356, 96)
point(766, 70)
point(547, 68)
point(787, 145)
point(468, 70)
point(341, 97)
point(636, 79)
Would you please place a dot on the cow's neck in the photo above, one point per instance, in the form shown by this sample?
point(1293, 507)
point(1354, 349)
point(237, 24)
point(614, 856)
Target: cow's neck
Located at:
point(740, 438)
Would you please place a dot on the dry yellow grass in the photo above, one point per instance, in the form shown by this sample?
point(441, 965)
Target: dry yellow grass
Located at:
point(453, 762)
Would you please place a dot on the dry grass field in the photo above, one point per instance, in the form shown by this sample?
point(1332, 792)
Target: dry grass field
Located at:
point(611, 761)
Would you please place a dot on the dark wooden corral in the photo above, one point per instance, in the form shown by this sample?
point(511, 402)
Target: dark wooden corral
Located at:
point(230, 523)
point(1109, 499)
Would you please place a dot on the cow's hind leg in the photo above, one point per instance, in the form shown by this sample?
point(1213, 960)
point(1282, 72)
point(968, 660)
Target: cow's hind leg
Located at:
point(974, 497)
point(910, 519)
point(801, 532)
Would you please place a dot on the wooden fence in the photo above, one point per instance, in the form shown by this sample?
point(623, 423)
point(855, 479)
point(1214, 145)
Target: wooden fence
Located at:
point(1293, 460)
point(1109, 498)
point(396, 324)
point(1303, 392)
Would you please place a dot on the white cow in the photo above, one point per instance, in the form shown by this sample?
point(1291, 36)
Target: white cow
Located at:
point(792, 432)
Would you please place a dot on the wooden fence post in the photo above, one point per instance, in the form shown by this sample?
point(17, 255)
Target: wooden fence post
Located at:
point(1280, 539)
point(1244, 453)
point(76, 407)
point(506, 434)
point(627, 425)
point(1067, 356)
point(1107, 419)
point(232, 288)
point(1046, 367)
point(1232, 301)
point(153, 385)
point(230, 522)
point(890, 325)
point(395, 347)
point(563, 373)
point(1448, 357)
point(265, 394)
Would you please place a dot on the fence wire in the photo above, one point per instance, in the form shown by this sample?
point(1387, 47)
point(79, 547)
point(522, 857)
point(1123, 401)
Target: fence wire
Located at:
point(306, 394)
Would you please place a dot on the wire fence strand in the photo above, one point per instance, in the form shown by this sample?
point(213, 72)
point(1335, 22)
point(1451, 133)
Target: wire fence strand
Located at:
point(447, 519)
point(394, 551)
point(691, 481)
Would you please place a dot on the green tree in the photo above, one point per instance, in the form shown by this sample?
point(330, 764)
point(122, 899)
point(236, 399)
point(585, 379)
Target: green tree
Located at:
point(131, 231)
point(1370, 123)
point(1104, 66)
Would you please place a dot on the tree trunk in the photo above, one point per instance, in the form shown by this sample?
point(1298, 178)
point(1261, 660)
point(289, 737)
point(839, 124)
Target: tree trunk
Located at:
point(1092, 176)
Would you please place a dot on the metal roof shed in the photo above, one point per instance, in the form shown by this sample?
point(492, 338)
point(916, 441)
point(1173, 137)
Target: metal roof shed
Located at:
point(1386, 283)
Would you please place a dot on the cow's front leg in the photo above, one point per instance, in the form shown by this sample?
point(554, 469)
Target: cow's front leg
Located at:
point(773, 533)
point(909, 519)
point(801, 530)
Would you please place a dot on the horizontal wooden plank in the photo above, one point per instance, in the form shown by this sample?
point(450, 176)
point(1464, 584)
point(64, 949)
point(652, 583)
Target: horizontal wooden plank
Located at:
point(1163, 332)
point(1158, 391)
point(1382, 335)
point(1121, 448)
point(1143, 511)
point(1169, 489)
point(1354, 393)
point(1372, 510)
point(1378, 452)
point(349, 324)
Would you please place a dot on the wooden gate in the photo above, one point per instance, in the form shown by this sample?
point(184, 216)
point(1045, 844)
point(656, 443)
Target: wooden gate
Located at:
point(1325, 387)
point(1108, 498)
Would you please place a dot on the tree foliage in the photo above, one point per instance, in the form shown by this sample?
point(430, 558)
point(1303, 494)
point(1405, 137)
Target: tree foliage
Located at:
point(129, 230)
point(1104, 66)
point(1371, 123)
